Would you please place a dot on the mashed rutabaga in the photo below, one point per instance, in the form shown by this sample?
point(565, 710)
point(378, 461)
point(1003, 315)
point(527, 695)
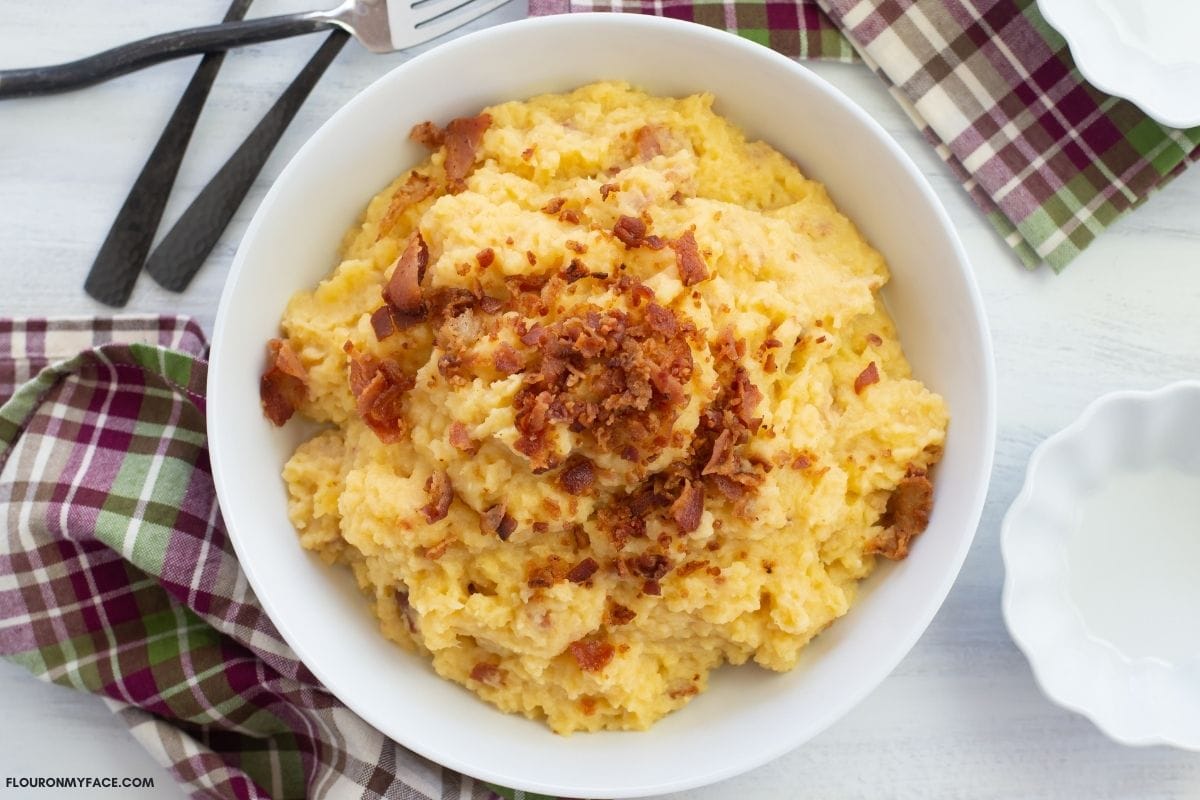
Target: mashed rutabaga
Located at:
point(612, 400)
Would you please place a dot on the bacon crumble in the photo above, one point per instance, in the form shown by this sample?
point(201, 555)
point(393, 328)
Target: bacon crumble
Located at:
point(284, 383)
point(689, 507)
point(630, 231)
point(460, 438)
point(648, 143)
point(575, 271)
point(487, 674)
point(688, 260)
point(617, 614)
point(379, 387)
point(583, 571)
point(427, 133)
point(591, 655)
point(578, 475)
point(403, 289)
point(907, 515)
point(865, 378)
point(463, 137)
point(441, 493)
point(415, 189)
point(506, 360)
point(496, 520)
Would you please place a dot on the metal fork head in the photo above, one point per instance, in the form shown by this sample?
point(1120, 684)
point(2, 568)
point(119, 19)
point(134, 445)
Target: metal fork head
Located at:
point(384, 26)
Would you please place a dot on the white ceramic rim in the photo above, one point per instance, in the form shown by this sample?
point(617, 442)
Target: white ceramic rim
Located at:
point(875, 672)
point(1117, 720)
point(1167, 93)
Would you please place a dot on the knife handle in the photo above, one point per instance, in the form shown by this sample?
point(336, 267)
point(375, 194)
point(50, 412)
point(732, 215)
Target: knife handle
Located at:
point(183, 250)
point(119, 260)
point(154, 50)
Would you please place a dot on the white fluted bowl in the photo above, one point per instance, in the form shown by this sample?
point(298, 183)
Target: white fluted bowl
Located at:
point(1101, 552)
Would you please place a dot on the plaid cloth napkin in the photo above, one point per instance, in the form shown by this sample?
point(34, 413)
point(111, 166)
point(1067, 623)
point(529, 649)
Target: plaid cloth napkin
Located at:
point(116, 576)
point(1050, 160)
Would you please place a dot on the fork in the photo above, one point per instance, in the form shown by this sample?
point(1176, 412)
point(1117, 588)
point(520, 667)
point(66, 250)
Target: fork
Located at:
point(382, 26)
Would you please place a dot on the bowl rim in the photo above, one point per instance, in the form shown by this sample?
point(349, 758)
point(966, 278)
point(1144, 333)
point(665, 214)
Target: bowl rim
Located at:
point(933, 598)
point(1110, 718)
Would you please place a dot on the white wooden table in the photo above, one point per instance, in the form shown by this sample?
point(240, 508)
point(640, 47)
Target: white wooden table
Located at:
point(961, 716)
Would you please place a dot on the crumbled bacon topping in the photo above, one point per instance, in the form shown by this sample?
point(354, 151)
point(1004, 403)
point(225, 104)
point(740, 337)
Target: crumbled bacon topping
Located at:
point(617, 614)
point(415, 189)
point(651, 566)
point(874, 339)
point(745, 399)
point(688, 260)
point(383, 322)
point(865, 378)
point(578, 475)
point(438, 550)
point(630, 230)
point(907, 514)
point(283, 386)
point(403, 289)
point(652, 587)
point(546, 574)
point(608, 373)
point(506, 360)
point(606, 189)
point(574, 271)
point(463, 137)
point(460, 438)
point(583, 571)
point(487, 674)
point(621, 522)
point(648, 143)
point(554, 206)
point(496, 520)
point(592, 655)
point(440, 492)
point(485, 257)
point(689, 507)
point(721, 460)
point(427, 133)
point(662, 320)
point(379, 387)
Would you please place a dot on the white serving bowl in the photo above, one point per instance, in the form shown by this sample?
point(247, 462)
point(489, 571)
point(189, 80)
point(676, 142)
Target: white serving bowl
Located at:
point(749, 716)
point(1100, 553)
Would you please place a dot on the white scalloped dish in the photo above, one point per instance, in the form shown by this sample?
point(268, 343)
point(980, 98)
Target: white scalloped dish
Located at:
point(1143, 51)
point(1102, 558)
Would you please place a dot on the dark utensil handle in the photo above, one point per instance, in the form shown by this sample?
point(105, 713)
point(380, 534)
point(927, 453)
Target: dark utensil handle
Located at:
point(154, 50)
point(182, 251)
point(119, 261)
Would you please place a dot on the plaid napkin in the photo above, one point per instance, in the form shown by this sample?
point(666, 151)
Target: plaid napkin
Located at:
point(1050, 160)
point(116, 576)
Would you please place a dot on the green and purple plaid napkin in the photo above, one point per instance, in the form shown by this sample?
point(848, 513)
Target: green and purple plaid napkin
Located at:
point(1049, 159)
point(116, 576)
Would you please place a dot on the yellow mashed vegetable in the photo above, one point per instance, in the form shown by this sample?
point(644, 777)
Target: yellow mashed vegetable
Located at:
point(645, 479)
